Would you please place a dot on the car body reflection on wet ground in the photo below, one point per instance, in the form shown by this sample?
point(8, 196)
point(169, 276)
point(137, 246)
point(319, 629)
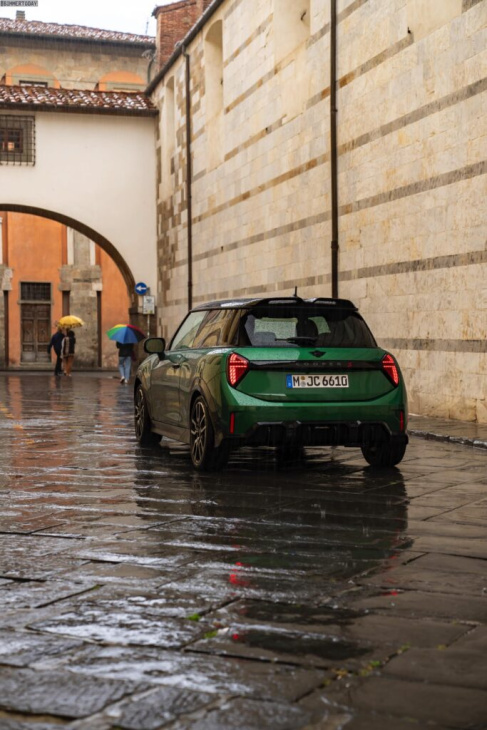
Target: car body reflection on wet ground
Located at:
point(137, 593)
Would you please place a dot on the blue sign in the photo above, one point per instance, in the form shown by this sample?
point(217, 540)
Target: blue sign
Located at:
point(141, 288)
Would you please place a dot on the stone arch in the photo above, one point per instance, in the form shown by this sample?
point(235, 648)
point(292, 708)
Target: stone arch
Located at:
point(91, 279)
point(93, 235)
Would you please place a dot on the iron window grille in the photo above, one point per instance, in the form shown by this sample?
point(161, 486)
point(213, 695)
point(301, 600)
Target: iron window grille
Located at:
point(17, 140)
point(35, 292)
point(28, 82)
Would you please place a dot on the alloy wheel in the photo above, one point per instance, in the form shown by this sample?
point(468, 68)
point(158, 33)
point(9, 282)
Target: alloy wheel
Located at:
point(139, 414)
point(199, 432)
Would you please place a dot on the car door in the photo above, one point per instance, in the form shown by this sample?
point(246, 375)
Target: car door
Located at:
point(211, 334)
point(165, 376)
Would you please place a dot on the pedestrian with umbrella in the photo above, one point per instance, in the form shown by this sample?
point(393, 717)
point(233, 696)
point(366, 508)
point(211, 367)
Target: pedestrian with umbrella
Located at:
point(56, 343)
point(69, 342)
point(125, 337)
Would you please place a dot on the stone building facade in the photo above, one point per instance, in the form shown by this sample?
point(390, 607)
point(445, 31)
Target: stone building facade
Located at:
point(411, 143)
point(61, 268)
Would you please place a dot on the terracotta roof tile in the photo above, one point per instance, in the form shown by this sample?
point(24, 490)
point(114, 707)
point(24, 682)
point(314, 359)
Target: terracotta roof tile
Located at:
point(47, 99)
point(78, 32)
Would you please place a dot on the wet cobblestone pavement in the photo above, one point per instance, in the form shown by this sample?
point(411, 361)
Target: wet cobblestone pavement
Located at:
point(137, 594)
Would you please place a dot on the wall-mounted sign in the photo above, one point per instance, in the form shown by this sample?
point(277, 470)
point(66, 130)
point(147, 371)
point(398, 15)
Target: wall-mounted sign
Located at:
point(149, 305)
point(141, 288)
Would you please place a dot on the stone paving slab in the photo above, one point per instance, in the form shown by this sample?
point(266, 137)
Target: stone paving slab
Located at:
point(420, 604)
point(188, 670)
point(156, 708)
point(120, 572)
point(249, 714)
point(42, 568)
point(453, 707)
point(135, 625)
point(442, 573)
point(450, 666)
point(475, 640)
point(327, 716)
point(470, 514)
point(23, 649)
point(17, 595)
point(9, 721)
point(59, 693)
point(468, 547)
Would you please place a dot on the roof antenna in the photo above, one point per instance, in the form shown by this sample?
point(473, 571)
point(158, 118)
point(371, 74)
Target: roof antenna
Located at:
point(295, 291)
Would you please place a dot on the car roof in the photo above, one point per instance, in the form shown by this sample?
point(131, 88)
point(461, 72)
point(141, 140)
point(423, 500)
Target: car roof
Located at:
point(278, 301)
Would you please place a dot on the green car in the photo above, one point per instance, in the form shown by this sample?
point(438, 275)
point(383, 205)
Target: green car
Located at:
point(282, 372)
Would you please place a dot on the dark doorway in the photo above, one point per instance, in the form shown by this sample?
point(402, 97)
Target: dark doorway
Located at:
point(35, 308)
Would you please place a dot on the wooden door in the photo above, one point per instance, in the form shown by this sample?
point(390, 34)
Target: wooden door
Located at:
point(36, 332)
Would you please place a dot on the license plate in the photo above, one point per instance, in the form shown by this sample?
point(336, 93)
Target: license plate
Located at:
point(317, 381)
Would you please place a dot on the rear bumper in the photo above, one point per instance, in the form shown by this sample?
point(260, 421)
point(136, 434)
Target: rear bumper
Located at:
point(351, 433)
point(345, 423)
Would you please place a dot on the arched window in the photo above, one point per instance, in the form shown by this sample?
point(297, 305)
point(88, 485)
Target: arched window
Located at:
point(214, 70)
point(121, 81)
point(30, 74)
point(291, 25)
point(168, 136)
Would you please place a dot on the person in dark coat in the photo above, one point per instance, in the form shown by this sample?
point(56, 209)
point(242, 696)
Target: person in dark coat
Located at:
point(56, 343)
point(69, 343)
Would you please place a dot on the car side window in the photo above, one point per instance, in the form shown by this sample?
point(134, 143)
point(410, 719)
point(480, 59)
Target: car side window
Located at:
point(214, 329)
point(185, 335)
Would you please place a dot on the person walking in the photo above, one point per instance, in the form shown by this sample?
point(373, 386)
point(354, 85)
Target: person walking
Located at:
point(56, 344)
point(69, 345)
point(125, 356)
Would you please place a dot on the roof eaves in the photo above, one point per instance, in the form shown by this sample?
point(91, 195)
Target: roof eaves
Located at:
point(52, 37)
point(69, 109)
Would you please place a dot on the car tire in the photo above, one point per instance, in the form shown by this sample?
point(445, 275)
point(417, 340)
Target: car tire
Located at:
point(142, 422)
point(385, 455)
point(205, 456)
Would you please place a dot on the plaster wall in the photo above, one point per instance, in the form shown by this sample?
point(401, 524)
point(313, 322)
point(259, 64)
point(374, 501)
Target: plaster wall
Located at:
point(412, 144)
point(74, 66)
point(97, 171)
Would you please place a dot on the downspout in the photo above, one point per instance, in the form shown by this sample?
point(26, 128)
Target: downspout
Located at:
point(333, 150)
point(189, 175)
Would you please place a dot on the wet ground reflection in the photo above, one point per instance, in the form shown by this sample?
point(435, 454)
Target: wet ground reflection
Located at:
point(123, 561)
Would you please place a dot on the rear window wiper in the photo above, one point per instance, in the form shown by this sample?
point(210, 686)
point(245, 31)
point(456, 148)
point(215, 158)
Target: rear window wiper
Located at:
point(301, 340)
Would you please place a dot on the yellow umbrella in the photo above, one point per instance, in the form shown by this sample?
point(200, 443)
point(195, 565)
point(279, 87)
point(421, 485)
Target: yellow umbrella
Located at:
point(70, 321)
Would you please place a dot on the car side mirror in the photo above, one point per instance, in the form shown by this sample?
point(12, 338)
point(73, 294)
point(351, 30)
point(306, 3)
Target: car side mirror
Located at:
point(155, 346)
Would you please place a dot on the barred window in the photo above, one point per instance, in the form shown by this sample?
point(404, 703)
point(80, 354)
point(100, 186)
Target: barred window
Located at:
point(28, 82)
point(17, 140)
point(35, 292)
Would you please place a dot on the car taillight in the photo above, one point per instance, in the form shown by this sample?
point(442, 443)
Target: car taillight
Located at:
point(237, 366)
point(390, 368)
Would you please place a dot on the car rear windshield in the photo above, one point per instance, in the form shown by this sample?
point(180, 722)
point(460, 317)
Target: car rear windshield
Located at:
point(303, 326)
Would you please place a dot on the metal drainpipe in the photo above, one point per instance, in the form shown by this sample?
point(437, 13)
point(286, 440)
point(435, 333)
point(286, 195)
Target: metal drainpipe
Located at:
point(333, 151)
point(189, 175)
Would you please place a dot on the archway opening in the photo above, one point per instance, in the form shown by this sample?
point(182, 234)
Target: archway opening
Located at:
point(52, 265)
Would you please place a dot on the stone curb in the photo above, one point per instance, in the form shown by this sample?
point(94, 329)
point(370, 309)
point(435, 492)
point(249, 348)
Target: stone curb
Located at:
point(462, 440)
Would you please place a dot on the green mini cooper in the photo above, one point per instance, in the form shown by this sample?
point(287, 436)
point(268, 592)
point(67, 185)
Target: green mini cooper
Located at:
point(283, 372)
